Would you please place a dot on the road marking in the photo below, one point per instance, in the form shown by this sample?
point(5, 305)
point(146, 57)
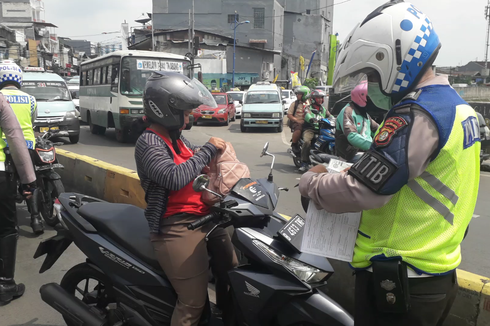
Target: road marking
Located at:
point(476, 216)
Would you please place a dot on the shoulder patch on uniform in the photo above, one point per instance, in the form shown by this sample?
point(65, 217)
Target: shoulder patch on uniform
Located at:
point(471, 130)
point(389, 129)
point(373, 170)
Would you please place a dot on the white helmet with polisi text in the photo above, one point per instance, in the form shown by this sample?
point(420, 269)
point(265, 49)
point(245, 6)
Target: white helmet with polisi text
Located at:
point(10, 73)
point(396, 41)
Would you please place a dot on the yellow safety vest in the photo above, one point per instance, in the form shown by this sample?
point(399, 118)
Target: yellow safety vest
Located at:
point(425, 221)
point(24, 106)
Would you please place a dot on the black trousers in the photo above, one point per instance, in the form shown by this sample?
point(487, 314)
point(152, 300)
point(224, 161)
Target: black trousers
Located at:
point(8, 212)
point(431, 299)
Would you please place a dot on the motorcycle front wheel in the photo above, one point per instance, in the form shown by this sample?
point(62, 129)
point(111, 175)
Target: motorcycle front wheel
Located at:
point(51, 190)
point(91, 286)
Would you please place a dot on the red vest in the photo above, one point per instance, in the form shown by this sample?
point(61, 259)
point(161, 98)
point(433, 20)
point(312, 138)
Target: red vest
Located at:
point(185, 200)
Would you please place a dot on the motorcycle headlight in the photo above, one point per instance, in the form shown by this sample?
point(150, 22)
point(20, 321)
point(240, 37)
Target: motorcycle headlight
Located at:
point(276, 115)
point(222, 111)
point(302, 271)
point(46, 156)
point(246, 115)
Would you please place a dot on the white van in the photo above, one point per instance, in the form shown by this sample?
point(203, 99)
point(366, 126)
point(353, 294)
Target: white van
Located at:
point(262, 107)
point(55, 108)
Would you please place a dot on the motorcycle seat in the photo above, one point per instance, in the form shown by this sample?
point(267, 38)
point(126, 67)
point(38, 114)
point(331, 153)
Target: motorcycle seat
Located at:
point(126, 225)
point(325, 157)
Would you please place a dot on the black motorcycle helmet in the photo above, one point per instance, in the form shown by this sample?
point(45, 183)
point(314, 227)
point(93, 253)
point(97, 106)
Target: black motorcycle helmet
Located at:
point(168, 94)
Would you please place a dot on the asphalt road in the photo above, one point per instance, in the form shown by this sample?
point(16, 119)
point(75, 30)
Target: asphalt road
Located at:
point(30, 310)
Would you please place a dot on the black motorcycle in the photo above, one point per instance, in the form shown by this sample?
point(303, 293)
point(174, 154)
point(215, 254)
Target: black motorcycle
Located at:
point(122, 283)
point(49, 182)
point(49, 185)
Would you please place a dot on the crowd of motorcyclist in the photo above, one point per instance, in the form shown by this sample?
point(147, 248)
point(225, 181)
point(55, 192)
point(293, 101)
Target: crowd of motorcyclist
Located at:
point(404, 275)
point(354, 128)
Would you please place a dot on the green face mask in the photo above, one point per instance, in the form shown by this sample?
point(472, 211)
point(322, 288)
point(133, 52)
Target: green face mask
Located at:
point(379, 99)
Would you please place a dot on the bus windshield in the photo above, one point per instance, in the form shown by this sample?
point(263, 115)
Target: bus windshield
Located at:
point(136, 70)
point(47, 91)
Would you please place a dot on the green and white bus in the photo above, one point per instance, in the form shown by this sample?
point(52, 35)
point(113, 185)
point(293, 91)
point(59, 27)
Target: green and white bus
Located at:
point(111, 87)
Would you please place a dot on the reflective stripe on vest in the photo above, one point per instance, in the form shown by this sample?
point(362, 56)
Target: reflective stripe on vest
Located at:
point(431, 201)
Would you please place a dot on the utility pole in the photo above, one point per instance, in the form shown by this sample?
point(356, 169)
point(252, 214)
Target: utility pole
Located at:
point(152, 29)
point(193, 34)
point(189, 48)
point(487, 17)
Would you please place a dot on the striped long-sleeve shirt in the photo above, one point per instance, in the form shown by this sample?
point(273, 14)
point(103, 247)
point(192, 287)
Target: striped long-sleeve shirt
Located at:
point(159, 174)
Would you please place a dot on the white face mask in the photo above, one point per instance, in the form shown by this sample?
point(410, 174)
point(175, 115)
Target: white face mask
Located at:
point(379, 99)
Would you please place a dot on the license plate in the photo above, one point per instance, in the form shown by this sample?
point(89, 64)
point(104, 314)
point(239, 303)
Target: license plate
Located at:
point(45, 129)
point(263, 122)
point(207, 116)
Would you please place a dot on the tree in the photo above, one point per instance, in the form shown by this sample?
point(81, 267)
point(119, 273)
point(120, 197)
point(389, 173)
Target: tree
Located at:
point(311, 83)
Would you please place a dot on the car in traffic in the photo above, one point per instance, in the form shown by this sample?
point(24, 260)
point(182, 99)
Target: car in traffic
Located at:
point(55, 108)
point(224, 113)
point(74, 87)
point(288, 97)
point(238, 100)
point(262, 107)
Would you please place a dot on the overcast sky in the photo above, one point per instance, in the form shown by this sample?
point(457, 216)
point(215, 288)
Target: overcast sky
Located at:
point(460, 24)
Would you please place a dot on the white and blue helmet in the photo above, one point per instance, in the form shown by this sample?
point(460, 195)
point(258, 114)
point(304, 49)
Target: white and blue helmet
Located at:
point(10, 73)
point(397, 41)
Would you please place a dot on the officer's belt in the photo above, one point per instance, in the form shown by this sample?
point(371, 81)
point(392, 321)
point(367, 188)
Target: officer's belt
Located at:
point(410, 272)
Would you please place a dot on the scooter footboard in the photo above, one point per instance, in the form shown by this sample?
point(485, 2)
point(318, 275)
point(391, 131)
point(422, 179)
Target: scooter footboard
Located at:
point(318, 309)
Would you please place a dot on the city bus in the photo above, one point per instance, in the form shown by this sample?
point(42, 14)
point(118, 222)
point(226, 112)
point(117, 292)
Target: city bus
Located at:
point(111, 87)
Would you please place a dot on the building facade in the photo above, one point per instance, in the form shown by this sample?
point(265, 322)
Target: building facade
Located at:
point(264, 30)
point(307, 30)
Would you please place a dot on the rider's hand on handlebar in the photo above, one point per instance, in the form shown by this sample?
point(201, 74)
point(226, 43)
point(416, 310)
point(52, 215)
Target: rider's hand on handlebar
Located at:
point(219, 143)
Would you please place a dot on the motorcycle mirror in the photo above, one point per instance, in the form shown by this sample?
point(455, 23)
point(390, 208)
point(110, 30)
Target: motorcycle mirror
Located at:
point(264, 151)
point(200, 183)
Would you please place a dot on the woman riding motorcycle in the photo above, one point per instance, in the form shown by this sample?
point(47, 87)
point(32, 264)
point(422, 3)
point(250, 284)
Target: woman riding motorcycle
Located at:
point(167, 164)
point(354, 127)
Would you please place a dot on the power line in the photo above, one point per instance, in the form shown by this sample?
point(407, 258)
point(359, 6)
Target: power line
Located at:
point(104, 33)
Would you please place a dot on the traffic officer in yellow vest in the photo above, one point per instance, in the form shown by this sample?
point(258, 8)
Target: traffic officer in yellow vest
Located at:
point(11, 129)
point(25, 108)
point(417, 185)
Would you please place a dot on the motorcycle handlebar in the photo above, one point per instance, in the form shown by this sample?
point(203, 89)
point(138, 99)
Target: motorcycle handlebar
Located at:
point(200, 222)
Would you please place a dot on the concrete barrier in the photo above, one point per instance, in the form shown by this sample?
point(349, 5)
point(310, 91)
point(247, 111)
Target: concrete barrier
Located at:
point(120, 185)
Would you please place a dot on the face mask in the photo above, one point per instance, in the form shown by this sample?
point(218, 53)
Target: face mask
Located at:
point(379, 99)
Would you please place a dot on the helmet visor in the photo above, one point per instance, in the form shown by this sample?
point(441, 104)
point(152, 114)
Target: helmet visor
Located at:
point(202, 96)
point(348, 83)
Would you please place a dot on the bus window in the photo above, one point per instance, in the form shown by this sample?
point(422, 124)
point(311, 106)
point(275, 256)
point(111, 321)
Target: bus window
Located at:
point(83, 81)
point(115, 78)
point(109, 75)
point(90, 77)
point(97, 76)
point(104, 75)
point(135, 71)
